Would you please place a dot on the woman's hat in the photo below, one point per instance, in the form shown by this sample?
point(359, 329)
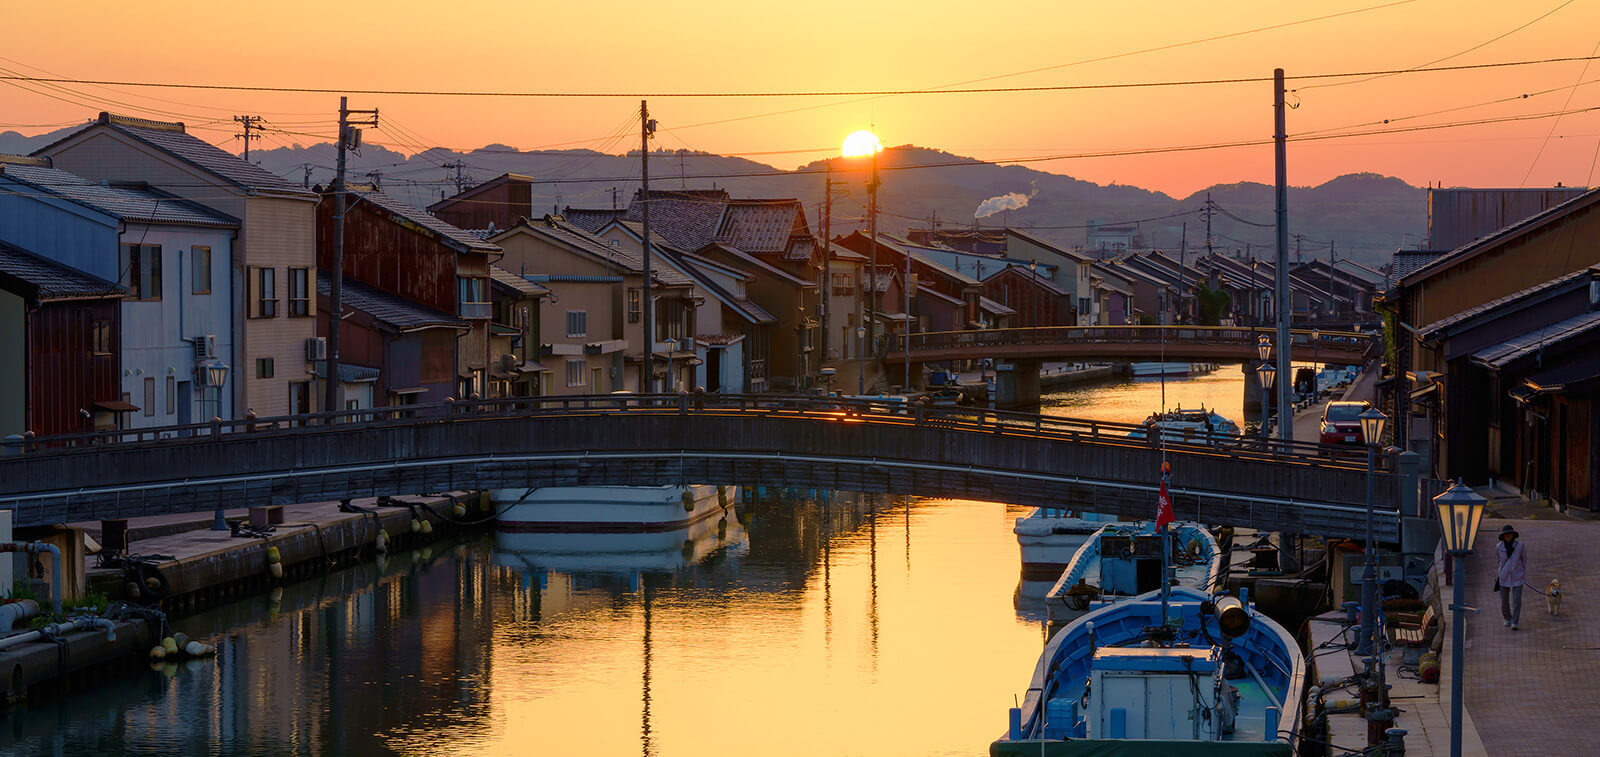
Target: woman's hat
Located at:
point(1508, 529)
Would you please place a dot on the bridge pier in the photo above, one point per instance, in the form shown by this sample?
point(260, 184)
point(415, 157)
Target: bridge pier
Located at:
point(1016, 383)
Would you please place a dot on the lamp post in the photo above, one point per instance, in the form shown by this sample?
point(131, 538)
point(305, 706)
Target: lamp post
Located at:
point(672, 383)
point(1267, 375)
point(1316, 370)
point(1372, 423)
point(861, 360)
point(1460, 509)
point(213, 374)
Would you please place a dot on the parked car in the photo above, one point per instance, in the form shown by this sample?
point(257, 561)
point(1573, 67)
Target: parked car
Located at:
point(1341, 422)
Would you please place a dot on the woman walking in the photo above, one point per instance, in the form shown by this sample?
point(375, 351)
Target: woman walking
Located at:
point(1513, 574)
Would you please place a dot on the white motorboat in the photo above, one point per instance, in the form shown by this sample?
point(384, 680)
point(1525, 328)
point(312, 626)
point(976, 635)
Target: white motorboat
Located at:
point(610, 509)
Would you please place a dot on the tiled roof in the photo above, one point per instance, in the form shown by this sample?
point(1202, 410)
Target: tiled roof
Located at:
point(905, 247)
point(520, 285)
point(397, 311)
point(460, 238)
point(800, 248)
point(1508, 233)
point(1407, 261)
point(1502, 354)
point(574, 238)
point(592, 219)
point(1075, 255)
point(53, 280)
point(128, 203)
point(1440, 325)
point(924, 289)
point(762, 267)
point(688, 219)
point(760, 226)
point(174, 140)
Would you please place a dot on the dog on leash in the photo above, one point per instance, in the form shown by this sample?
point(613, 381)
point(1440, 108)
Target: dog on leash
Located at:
point(1552, 596)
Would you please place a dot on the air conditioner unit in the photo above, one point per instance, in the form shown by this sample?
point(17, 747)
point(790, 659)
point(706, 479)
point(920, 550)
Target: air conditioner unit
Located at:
point(317, 348)
point(509, 363)
point(205, 347)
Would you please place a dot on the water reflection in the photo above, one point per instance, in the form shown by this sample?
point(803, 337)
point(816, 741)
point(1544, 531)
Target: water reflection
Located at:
point(782, 634)
point(1132, 400)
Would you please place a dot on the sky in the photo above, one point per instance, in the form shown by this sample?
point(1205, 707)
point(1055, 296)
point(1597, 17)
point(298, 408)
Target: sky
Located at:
point(844, 45)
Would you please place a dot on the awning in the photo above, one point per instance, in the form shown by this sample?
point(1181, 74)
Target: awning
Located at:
point(1565, 377)
point(348, 374)
point(409, 390)
point(1422, 392)
point(116, 406)
point(532, 367)
point(675, 356)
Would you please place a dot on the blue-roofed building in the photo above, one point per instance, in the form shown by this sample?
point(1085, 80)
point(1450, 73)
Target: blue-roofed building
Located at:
point(174, 261)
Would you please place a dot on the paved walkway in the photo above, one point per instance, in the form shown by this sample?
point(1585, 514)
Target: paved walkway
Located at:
point(1536, 691)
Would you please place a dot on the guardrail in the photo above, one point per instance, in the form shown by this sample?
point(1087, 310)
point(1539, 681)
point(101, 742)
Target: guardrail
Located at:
point(1244, 336)
point(806, 407)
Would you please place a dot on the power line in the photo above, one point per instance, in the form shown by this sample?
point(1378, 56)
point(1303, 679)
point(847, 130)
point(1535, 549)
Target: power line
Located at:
point(42, 80)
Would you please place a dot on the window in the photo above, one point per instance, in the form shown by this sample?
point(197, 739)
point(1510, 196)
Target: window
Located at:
point(474, 297)
point(263, 367)
point(172, 395)
point(201, 259)
point(101, 337)
point(149, 396)
point(142, 265)
point(352, 404)
point(576, 372)
point(844, 284)
point(577, 324)
point(266, 293)
point(635, 305)
point(299, 292)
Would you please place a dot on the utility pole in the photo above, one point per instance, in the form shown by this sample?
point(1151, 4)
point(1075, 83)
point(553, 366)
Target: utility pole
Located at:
point(874, 304)
point(827, 256)
point(349, 138)
point(1208, 211)
point(460, 179)
point(376, 175)
point(647, 128)
point(1183, 250)
point(307, 168)
point(613, 198)
point(1280, 155)
point(249, 124)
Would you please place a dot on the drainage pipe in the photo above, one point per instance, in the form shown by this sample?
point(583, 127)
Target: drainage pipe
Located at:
point(56, 629)
point(37, 547)
point(12, 612)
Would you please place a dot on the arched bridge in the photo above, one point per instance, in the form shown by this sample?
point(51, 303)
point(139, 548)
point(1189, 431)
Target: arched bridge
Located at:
point(808, 442)
point(1217, 344)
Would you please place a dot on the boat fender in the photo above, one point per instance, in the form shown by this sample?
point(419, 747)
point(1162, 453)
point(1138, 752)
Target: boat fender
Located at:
point(1428, 667)
point(132, 587)
point(275, 569)
point(273, 555)
point(459, 510)
point(158, 652)
point(425, 554)
point(427, 526)
point(416, 525)
point(170, 669)
point(722, 496)
point(169, 646)
point(154, 584)
point(688, 502)
point(181, 639)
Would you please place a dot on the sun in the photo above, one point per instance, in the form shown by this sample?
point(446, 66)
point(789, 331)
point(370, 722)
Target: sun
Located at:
point(861, 143)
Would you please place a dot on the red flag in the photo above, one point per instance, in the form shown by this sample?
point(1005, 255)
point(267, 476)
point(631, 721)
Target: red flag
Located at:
point(1164, 507)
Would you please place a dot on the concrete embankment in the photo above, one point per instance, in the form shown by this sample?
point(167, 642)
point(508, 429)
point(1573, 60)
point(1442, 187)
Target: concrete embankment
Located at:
point(1055, 378)
point(197, 568)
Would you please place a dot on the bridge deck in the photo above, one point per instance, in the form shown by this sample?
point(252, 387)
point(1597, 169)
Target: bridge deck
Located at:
point(651, 439)
point(1203, 343)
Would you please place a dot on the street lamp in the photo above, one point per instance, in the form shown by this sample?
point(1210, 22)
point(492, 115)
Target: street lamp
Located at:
point(1460, 509)
point(672, 346)
point(1264, 347)
point(1316, 336)
point(1268, 375)
point(861, 365)
point(1372, 423)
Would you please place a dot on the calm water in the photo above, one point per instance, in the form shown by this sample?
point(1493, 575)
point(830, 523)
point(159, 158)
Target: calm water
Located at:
point(845, 625)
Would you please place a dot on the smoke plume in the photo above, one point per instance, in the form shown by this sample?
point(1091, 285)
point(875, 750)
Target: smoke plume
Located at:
point(994, 205)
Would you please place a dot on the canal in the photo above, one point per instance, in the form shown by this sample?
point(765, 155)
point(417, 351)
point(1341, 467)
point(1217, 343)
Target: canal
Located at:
point(814, 624)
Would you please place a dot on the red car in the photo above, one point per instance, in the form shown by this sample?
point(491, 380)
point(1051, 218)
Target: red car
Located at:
point(1341, 422)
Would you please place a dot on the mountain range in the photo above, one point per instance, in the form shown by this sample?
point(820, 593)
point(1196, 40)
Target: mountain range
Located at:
point(1365, 216)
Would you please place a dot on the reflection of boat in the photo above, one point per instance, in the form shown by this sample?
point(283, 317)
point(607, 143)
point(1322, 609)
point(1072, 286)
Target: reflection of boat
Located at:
point(1048, 539)
point(661, 551)
point(1124, 559)
point(1177, 425)
point(1141, 370)
point(1196, 676)
point(609, 509)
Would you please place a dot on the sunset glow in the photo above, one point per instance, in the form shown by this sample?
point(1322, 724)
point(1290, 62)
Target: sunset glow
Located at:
point(860, 144)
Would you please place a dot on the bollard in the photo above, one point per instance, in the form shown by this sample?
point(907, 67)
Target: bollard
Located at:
point(1397, 741)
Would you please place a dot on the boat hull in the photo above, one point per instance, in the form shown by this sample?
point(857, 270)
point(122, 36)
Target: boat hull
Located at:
point(609, 509)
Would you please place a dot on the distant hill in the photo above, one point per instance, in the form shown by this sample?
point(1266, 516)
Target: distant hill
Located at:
point(1366, 215)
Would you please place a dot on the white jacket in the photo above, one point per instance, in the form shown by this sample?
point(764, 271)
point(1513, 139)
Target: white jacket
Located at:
point(1513, 567)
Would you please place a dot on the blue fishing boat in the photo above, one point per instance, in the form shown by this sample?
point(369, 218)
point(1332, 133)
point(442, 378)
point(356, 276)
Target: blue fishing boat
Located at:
point(1178, 672)
point(1122, 560)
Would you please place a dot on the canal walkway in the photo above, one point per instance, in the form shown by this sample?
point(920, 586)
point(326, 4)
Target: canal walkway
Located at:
point(1536, 690)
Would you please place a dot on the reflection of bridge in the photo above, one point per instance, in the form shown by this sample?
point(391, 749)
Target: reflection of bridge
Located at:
point(1023, 349)
point(654, 439)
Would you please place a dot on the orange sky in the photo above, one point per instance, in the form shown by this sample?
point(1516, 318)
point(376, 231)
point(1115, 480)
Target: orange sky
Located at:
point(845, 44)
